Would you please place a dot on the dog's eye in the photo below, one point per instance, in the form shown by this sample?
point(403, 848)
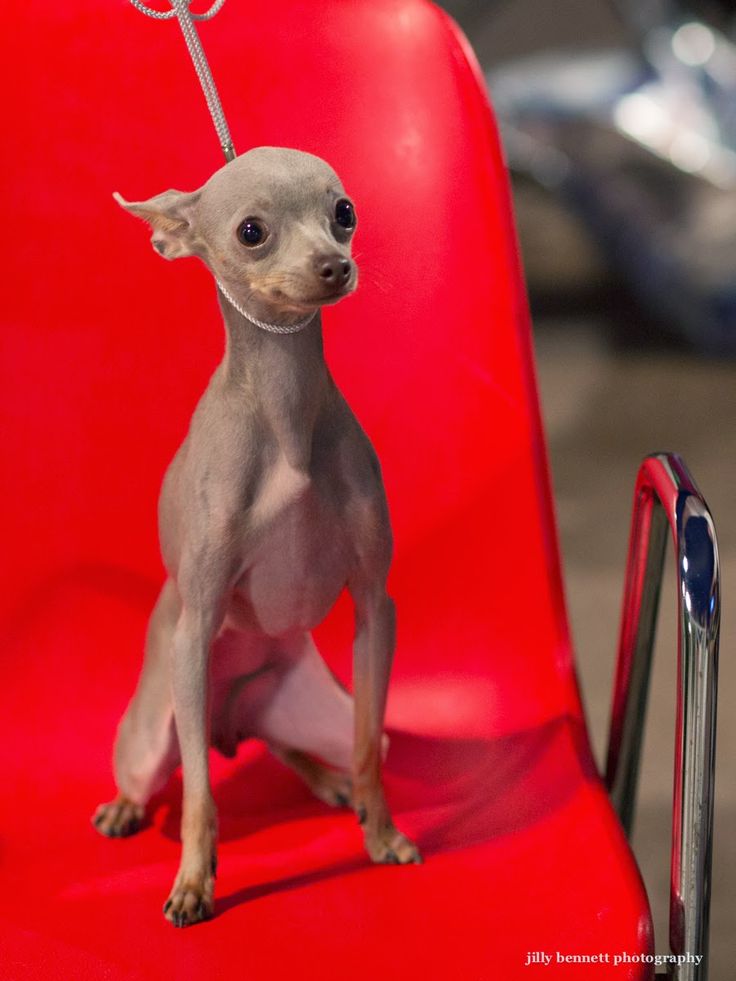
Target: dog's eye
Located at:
point(252, 232)
point(345, 214)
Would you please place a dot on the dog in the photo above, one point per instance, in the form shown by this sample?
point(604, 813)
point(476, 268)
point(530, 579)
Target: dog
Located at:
point(273, 504)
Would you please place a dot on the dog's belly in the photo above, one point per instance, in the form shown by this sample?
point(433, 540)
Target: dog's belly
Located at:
point(296, 568)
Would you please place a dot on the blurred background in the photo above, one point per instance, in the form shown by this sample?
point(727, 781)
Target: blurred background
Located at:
point(618, 120)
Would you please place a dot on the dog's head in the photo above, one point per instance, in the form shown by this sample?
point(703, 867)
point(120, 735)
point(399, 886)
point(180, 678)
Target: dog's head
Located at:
point(274, 226)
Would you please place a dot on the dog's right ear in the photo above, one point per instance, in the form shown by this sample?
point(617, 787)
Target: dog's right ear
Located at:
point(170, 215)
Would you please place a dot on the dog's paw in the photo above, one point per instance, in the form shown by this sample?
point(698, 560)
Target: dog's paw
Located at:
point(332, 787)
point(390, 847)
point(119, 818)
point(191, 901)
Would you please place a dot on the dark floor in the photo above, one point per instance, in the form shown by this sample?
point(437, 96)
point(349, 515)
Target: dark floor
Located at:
point(606, 403)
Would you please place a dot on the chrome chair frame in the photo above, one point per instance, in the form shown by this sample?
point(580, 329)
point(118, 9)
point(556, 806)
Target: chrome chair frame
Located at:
point(667, 494)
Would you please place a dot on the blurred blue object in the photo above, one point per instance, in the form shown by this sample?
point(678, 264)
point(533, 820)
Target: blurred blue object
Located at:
point(642, 143)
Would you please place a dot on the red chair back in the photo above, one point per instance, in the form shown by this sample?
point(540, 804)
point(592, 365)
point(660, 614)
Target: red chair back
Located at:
point(107, 348)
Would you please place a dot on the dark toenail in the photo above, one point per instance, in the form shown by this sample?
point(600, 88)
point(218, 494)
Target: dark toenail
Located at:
point(362, 814)
point(167, 905)
point(341, 800)
point(391, 857)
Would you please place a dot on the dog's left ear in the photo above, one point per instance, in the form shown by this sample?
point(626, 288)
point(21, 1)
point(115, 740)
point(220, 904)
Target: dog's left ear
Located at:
point(170, 215)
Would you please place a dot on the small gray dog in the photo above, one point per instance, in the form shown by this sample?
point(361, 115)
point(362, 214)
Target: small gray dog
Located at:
point(272, 505)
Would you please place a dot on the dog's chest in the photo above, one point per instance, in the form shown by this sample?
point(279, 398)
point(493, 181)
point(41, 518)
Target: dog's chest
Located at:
point(298, 551)
point(282, 487)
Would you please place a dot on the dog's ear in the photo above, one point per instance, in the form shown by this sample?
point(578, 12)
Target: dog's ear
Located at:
point(170, 215)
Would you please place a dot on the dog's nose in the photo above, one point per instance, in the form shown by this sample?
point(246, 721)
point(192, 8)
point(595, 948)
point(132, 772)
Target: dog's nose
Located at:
point(334, 269)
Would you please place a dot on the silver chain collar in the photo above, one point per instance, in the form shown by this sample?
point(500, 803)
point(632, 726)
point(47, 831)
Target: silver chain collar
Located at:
point(271, 328)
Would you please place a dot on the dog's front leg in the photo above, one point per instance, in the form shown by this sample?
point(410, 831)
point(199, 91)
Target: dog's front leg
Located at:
point(375, 628)
point(192, 896)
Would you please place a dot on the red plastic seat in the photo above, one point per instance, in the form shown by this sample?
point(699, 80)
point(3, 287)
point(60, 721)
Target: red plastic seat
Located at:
point(105, 351)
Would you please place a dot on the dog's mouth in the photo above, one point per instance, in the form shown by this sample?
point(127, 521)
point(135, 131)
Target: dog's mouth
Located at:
point(323, 296)
point(337, 293)
point(278, 296)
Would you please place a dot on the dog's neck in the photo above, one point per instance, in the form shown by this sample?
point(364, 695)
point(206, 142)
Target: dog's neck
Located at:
point(284, 377)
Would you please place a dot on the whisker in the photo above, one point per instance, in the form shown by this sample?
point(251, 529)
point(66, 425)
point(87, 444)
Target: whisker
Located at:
point(379, 286)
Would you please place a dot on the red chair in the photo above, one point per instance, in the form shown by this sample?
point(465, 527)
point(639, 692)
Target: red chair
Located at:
point(106, 350)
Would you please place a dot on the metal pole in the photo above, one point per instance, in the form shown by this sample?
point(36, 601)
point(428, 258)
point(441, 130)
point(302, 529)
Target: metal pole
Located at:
point(667, 494)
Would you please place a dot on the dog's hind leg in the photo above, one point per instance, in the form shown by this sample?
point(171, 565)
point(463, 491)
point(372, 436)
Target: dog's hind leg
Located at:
point(299, 705)
point(334, 787)
point(146, 748)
